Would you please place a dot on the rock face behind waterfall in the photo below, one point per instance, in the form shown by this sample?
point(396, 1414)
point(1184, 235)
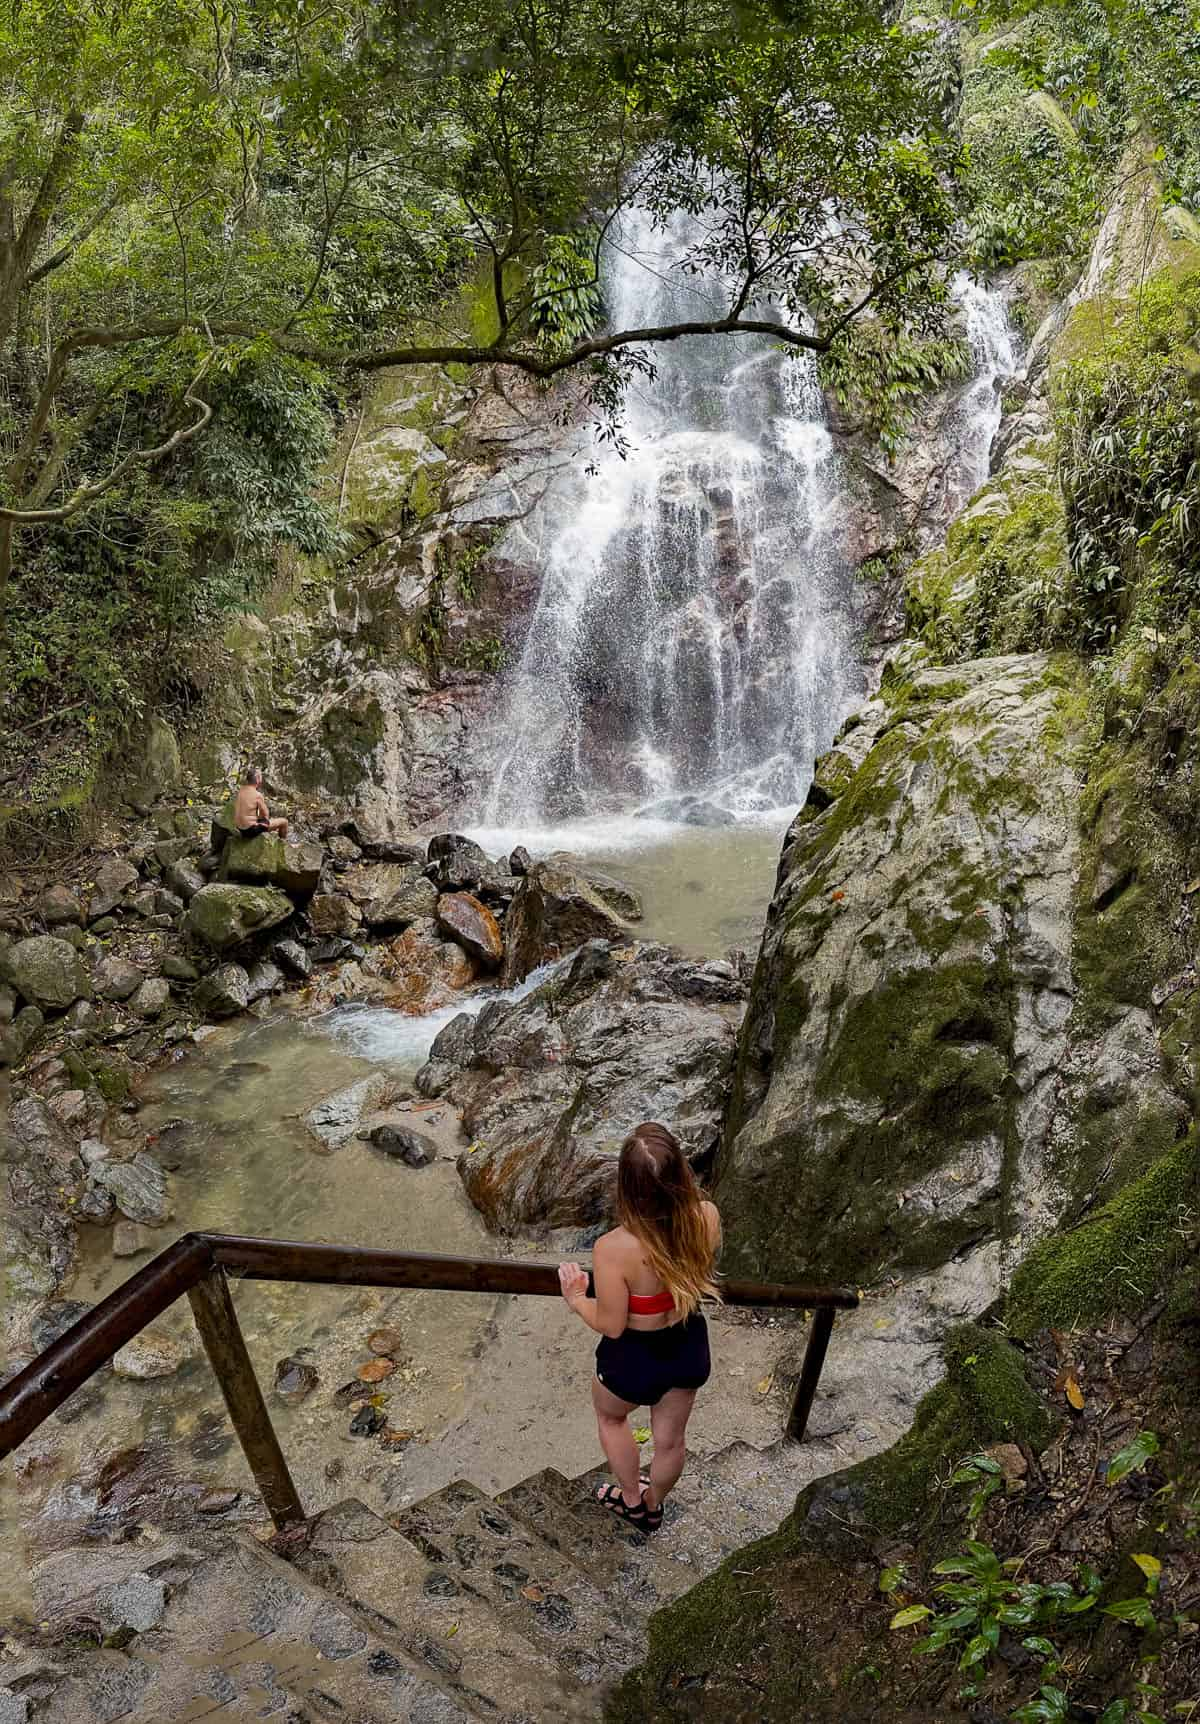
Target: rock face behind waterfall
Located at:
point(918, 1069)
point(550, 1085)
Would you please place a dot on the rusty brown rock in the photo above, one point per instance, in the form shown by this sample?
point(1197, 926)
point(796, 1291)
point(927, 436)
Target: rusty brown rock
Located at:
point(375, 1370)
point(472, 924)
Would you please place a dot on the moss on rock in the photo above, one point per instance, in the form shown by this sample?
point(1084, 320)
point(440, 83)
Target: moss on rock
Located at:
point(1112, 1260)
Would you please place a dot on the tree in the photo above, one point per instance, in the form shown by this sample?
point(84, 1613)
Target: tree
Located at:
point(186, 186)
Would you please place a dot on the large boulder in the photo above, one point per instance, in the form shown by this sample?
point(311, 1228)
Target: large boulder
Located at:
point(615, 893)
point(553, 911)
point(46, 971)
point(38, 1165)
point(551, 1085)
point(223, 914)
point(335, 1120)
point(472, 925)
point(917, 1072)
point(332, 915)
point(423, 970)
point(289, 863)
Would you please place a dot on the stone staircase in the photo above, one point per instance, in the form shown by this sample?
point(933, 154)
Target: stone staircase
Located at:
point(522, 1609)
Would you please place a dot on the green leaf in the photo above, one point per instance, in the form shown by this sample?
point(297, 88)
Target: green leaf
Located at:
point(891, 1579)
point(1134, 1610)
point(1036, 1643)
point(1116, 1712)
point(910, 1614)
point(1150, 1567)
point(1132, 1458)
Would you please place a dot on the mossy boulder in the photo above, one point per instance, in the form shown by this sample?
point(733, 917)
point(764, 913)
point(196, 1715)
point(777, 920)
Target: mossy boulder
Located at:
point(291, 864)
point(46, 971)
point(224, 914)
point(901, 1089)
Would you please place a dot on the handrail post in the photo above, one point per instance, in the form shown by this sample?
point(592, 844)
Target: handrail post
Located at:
point(810, 1371)
point(216, 1319)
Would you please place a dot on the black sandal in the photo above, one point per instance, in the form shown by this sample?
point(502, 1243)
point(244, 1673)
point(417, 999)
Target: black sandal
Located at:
point(644, 1519)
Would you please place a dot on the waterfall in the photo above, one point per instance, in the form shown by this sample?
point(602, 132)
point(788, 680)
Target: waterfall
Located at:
point(691, 641)
point(693, 645)
point(974, 418)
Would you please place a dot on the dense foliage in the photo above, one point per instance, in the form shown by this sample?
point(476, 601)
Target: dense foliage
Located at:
point(212, 217)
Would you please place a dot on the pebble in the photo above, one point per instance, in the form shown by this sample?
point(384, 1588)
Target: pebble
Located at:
point(294, 1380)
point(375, 1370)
point(153, 1353)
point(385, 1341)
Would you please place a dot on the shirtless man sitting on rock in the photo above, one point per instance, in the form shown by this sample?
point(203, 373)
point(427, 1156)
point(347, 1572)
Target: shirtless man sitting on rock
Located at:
point(251, 815)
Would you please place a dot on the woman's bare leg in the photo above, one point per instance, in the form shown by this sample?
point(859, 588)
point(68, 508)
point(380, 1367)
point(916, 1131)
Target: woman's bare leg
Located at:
point(616, 1439)
point(668, 1422)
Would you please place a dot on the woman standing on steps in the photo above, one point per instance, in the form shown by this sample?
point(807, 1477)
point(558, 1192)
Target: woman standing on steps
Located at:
point(651, 1273)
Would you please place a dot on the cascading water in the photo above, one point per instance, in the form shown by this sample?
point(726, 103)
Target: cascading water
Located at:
point(691, 639)
point(974, 417)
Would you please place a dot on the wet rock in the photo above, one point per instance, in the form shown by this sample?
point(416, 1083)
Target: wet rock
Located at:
point(292, 865)
point(263, 978)
point(92, 1150)
point(139, 1186)
point(331, 915)
point(342, 851)
point(218, 1501)
point(223, 914)
point(367, 1421)
point(8, 1003)
point(425, 971)
point(152, 1353)
point(385, 1342)
point(105, 926)
point(129, 1240)
point(615, 893)
point(404, 899)
point(224, 992)
point(457, 864)
point(178, 969)
point(520, 861)
point(335, 1120)
point(552, 1084)
point(144, 902)
point(84, 1019)
point(152, 997)
point(59, 904)
point(46, 971)
point(114, 879)
point(472, 925)
point(294, 1380)
point(97, 1204)
point(554, 911)
point(292, 957)
point(405, 1145)
point(375, 1370)
point(185, 879)
point(54, 1319)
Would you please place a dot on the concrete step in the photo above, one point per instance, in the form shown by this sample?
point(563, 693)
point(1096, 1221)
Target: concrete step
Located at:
point(434, 1619)
point(654, 1576)
point(616, 1557)
point(242, 1637)
point(541, 1590)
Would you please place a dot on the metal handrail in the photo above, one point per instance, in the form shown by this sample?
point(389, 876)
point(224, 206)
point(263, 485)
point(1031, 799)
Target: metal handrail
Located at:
point(197, 1265)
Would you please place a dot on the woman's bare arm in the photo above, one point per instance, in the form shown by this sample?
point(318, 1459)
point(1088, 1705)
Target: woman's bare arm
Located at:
point(608, 1312)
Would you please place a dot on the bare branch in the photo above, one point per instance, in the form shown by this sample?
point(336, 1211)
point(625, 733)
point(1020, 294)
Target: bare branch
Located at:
point(86, 494)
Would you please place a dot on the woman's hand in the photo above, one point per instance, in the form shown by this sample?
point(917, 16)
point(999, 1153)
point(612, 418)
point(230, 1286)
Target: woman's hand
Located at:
point(573, 1281)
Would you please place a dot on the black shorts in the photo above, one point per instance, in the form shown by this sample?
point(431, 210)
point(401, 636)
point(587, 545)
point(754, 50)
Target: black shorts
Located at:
point(255, 831)
point(642, 1364)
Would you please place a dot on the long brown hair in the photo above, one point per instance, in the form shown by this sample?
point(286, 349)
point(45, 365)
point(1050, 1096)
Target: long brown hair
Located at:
point(659, 1202)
